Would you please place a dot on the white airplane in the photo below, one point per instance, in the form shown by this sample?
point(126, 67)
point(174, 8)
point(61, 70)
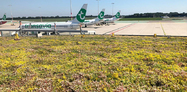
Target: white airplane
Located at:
point(96, 20)
point(74, 24)
point(111, 20)
point(3, 21)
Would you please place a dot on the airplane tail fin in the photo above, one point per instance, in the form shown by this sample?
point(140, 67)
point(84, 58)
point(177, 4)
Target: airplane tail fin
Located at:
point(101, 14)
point(4, 16)
point(81, 14)
point(118, 14)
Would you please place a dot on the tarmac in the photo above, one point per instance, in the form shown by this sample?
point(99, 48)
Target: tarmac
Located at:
point(133, 28)
point(143, 28)
point(8, 26)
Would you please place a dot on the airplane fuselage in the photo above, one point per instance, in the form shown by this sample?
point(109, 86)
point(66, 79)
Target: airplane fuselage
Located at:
point(92, 21)
point(110, 20)
point(51, 25)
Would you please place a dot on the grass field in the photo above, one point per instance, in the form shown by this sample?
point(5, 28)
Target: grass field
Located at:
point(174, 18)
point(137, 19)
point(93, 63)
point(51, 19)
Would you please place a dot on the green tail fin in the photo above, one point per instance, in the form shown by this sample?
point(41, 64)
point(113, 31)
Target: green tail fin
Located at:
point(101, 14)
point(118, 14)
point(4, 17)
point(82, 13)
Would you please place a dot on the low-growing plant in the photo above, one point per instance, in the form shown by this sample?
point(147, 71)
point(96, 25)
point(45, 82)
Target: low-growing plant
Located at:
point(93, 63)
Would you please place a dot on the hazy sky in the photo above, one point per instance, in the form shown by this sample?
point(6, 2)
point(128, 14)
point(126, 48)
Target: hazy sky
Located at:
point(62, 7)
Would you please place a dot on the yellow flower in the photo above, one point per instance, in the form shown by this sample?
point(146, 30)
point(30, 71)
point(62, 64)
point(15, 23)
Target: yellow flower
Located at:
point(105, 90)
point(30, 89)
point(118, 69)
point(64, 77)
point(132, 69)
point(59, 80)
point(115, 75)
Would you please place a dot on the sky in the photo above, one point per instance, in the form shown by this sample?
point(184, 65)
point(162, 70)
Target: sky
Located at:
point(20, 8)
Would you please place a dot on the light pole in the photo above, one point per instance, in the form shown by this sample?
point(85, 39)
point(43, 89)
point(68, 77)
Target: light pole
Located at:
point(98, 5)
point(40, 14)
point(71, 10)
point(112, 8)
point(11, 12)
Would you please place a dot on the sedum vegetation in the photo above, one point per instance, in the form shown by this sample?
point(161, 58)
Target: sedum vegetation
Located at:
point(93, 63)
